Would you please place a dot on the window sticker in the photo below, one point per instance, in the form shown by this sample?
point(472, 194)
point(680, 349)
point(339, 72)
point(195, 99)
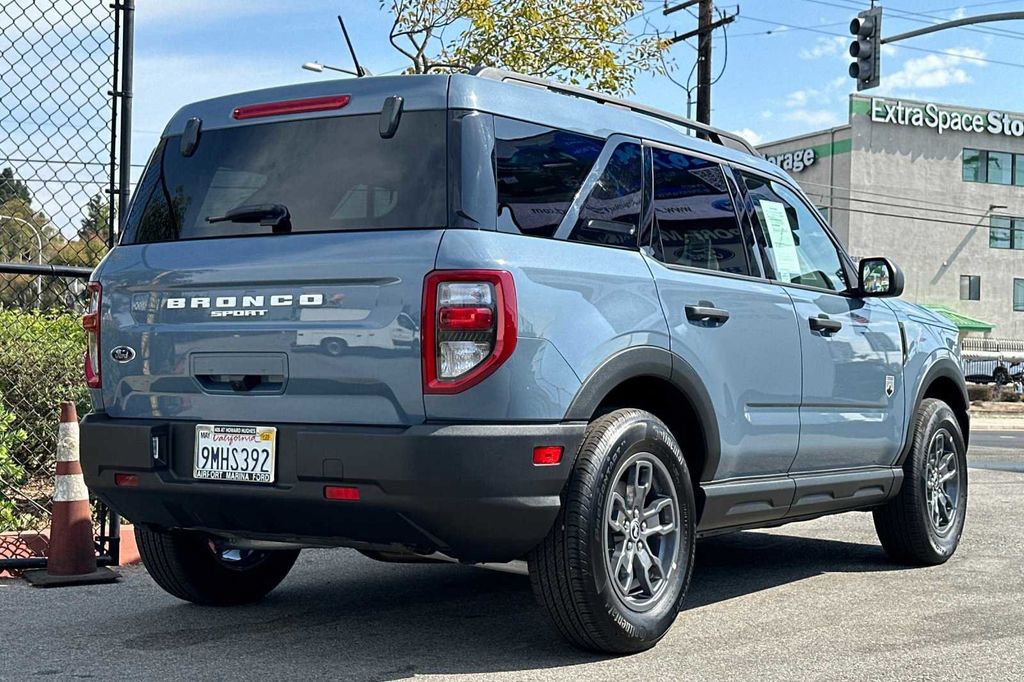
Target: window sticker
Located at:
point(780, 232)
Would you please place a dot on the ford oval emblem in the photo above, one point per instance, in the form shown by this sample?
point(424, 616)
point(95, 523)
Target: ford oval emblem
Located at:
point(122, 354)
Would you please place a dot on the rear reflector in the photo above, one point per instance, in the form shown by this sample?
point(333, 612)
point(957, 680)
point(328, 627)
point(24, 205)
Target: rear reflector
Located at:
point(547, 455)
point(346, 493)
point(292, 106)
point(126, 480)
point(465, 319)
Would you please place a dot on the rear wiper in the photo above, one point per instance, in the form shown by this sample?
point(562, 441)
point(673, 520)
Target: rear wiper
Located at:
point(275, 216)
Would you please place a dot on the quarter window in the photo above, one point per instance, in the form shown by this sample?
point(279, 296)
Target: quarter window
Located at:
point(695, 221)
point(540, 170)
point(970, 288)
point(611, 214)
point(798, 247)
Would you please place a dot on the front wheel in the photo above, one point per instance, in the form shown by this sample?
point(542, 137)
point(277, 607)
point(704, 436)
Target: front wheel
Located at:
point(197, 568)
point(615, 566)
point(923, 524)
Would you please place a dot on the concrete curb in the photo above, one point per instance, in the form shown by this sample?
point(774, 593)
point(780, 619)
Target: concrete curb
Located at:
point(17, 545)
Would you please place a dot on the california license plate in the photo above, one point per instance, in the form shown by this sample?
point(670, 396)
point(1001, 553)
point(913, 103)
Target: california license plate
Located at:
point(243, 454)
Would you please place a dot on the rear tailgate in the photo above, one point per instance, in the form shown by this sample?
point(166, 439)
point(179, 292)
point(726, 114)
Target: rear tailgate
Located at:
point(317, 328)
point(272, 261)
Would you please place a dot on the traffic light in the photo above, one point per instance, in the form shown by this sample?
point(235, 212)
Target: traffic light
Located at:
point(867, 48)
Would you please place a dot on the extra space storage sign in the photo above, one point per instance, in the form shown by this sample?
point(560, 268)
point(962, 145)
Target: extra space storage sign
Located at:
point(941, 119)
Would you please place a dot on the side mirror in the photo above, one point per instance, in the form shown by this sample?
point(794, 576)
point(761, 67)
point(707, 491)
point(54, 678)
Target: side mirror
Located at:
point(880, 278)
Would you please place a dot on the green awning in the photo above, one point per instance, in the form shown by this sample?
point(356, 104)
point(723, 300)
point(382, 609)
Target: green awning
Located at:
point(962, 322)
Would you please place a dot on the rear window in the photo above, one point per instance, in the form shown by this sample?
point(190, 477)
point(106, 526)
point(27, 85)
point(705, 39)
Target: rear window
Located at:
point(330, 173)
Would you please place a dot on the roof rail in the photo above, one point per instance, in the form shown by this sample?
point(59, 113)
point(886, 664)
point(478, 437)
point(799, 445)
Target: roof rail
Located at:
point(714, 135)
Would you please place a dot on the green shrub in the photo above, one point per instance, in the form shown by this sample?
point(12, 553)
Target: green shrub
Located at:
point(980, 392)
point(40, 366)
point(12, 474)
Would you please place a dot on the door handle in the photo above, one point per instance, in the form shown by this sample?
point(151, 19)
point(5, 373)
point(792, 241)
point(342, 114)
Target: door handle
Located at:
point(703, 313)
point(825, 325)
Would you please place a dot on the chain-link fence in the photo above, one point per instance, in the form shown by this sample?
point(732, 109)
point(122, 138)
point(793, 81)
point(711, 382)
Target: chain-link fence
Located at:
point(62, 92)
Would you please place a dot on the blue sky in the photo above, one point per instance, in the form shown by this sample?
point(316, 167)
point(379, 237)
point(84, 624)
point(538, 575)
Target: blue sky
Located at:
point(785, 74)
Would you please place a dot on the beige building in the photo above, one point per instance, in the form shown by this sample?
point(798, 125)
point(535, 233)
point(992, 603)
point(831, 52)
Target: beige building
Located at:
point(938, 189)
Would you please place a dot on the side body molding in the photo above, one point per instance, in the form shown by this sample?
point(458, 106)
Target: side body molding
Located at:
point(651, 361)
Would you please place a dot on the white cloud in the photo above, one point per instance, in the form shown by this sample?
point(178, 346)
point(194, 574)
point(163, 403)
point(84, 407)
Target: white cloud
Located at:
point(751, 136)
point(934, 70)
point(818, 118)
point(825, 47)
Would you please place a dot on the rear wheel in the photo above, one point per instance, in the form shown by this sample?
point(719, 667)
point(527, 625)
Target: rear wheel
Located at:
point(615, 566)
point(923, 524)
point(196, 568)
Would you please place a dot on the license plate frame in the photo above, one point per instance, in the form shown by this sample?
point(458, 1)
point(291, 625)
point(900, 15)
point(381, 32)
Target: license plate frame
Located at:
point(235, 454)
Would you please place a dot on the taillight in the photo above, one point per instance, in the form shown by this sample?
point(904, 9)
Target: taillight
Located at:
point(292, 106)
point(91, 325)
point(469, 327)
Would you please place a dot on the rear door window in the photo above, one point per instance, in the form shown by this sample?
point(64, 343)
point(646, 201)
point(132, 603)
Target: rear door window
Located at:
point(331, 174)
point(695, 221)
point(540, 170)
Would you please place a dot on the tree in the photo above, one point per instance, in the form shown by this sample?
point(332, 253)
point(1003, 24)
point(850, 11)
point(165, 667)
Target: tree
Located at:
point(12, 188)
point(583, 42)
point(96, 223)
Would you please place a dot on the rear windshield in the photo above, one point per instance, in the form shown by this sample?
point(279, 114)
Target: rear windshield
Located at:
point(330, 173)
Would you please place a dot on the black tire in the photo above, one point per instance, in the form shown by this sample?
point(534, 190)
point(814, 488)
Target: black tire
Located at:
point(1001, 376)
point(568, 570)
point(904, 525)
point(186, 566)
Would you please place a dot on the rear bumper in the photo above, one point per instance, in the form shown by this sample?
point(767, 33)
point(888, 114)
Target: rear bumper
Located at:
point(471, 491)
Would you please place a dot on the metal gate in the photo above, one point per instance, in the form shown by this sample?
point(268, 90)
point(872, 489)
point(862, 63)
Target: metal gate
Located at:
point(65, 121)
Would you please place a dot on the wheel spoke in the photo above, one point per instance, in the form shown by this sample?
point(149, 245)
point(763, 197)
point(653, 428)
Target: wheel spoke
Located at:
point(657, 507)
point(618, 513)
point(645, 573)
point(624, 569)
point(947, 476)
point(946, 461)
point(660, 529)
point(640, 481)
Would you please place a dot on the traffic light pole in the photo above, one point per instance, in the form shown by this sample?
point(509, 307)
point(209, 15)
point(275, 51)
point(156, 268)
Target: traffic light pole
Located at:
point(966, 21)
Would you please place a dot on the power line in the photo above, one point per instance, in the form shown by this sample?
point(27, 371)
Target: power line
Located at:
point(899, 197)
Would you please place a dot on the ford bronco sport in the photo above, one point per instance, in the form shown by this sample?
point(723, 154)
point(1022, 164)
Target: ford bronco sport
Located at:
point(497, 318)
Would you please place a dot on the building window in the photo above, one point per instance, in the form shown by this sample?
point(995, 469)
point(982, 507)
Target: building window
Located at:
point(1000, 168)
point(970, 287)
point(994, 168)
point(1006, 233)
point(1018, 295)
point(974, 165)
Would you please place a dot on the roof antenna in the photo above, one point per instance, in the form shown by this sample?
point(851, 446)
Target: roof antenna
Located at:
point(360, 71)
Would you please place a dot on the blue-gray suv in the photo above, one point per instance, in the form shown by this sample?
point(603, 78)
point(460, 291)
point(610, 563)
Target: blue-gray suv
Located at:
point(495, 318)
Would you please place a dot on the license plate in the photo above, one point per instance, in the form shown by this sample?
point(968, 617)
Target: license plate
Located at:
point(243, 454)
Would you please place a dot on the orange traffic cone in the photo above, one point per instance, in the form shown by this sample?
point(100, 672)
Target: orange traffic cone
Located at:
point(71, 559)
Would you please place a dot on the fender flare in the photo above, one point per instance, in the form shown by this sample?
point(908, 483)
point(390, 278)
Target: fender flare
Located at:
point(651, 361)
point(941, 368)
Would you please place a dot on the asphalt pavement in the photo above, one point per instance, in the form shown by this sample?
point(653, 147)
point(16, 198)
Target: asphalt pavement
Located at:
point(815, 601)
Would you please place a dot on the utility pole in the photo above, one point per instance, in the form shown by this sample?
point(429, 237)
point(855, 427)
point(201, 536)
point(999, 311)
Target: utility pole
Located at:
point(704, 61)
point(705, 29)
